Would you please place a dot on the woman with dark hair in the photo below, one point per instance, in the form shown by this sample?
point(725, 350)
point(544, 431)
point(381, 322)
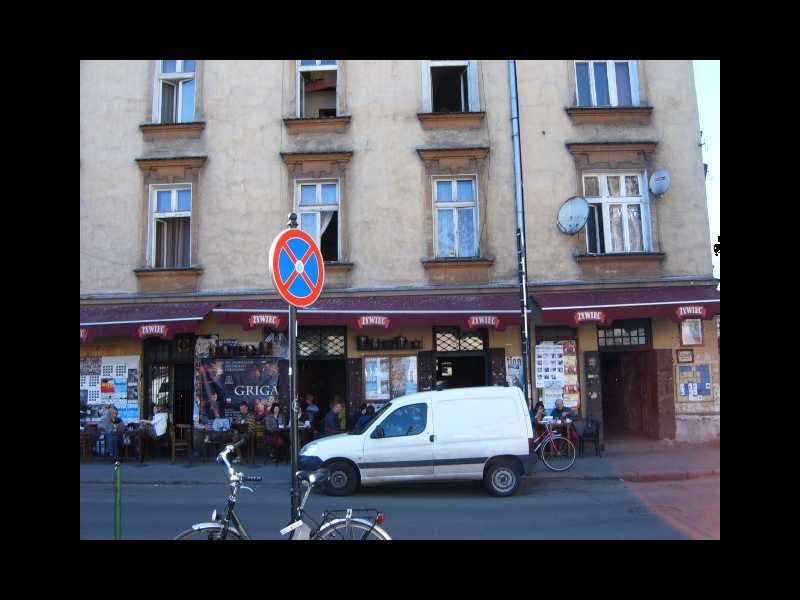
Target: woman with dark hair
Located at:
point(369, 412)
point(362, 410)
point(538, 411)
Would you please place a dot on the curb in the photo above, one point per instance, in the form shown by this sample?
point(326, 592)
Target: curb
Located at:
point(633, 477)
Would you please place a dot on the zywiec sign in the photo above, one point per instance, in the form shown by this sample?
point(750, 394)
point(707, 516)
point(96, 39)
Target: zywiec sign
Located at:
point(84, 334)
point(274, 321)
point(373, 321)
point(483, 321)
point(691, 312)
point(589, 316)
point(146, 331)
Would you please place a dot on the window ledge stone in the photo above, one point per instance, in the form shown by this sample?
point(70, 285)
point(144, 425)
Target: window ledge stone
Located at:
point(460, 120)
point(481, 261)
point(153, 280)
point(336, 124)
point(338, 266)
point(629, 256)
point(598, 115)
point(154, 131)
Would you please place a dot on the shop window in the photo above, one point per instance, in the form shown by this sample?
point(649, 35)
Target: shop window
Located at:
point(607, 83)
point(317, 204)
point(170, 226)
point(624, 334)
point(452, 339)
point(321, 342)
point(175, 91)
point(450, 86)
point(455, 210)
point(404, 421)
point(386, 378)
point(617, 213)
point(317, 88)
point(691, 332)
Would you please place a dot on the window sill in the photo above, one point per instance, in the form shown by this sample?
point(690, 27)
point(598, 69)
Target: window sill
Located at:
point(317, 124)
point(626, 115)
point(154, 131)
point(635, 256)
point(152, 280)
point(338, 267)
point(465, 120)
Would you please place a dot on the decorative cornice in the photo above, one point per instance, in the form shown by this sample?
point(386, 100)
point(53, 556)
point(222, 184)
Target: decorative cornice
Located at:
point(440, 153)
point(466, 120)
point(317, 125)
point(587, 147)
point(299, 158)
point(188, 162)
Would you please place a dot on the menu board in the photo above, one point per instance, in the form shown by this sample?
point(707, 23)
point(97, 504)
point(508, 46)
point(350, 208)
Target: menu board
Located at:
point(557, 373)
point(694, 383)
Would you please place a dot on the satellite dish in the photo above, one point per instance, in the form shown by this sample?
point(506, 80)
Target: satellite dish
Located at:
point(573, 214)
point(659, 182)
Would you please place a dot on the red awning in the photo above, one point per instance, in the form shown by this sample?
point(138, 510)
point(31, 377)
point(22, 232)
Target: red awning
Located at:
point(139, 321)
point(383, 312)
point(605, 306)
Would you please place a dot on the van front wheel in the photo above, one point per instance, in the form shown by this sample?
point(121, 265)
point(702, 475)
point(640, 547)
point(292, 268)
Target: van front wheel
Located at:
point(502, 478)
point(342, 479)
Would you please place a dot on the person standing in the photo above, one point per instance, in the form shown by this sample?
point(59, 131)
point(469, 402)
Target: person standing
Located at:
point(331, 424)
point(337, 399)
point(312, 410)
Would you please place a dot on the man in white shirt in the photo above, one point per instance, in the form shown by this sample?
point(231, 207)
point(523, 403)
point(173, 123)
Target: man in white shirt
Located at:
point(153, 428)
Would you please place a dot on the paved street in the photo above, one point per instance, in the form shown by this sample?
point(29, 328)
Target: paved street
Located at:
point(542, 509)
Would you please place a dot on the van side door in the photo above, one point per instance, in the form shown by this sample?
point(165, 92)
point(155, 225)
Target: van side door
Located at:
point(399, 445)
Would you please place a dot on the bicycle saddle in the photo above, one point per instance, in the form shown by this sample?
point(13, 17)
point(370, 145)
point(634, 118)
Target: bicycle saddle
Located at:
point(313, 477)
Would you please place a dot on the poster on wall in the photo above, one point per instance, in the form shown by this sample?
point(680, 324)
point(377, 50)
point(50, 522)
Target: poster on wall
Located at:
point(694, 383)
point(549, 365)
point(514, 371)
point(404, 375)
point(110, 380)
point(572, 397)
point(557, 373)
point(226, 383)
point(90, 365)
point(377, 382)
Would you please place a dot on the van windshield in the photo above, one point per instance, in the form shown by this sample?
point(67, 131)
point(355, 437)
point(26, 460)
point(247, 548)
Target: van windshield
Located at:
point(365, 426)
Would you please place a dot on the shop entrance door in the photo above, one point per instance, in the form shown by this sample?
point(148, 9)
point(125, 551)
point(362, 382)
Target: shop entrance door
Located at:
point(461, 358)
point(322, 365)
point(169, 378)
point(461, 371)
point(629, 403)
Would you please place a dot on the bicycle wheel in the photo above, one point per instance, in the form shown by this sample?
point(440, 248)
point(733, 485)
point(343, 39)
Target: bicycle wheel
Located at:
point(210, 532)
point(357, 529)
point(558, 454)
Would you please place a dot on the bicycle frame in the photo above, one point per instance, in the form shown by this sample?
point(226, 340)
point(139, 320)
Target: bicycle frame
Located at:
point(547, 435)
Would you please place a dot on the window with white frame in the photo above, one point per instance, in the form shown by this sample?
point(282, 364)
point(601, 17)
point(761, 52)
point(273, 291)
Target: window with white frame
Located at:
point(617, 209)
point(317, 82)
point(170, 226)
point(455, 209)
point(317, 205)
point(607, 82)
point(450, 86)
point(175, 91)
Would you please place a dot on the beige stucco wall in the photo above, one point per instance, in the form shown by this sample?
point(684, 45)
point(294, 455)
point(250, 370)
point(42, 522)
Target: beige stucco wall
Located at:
point(546, 88)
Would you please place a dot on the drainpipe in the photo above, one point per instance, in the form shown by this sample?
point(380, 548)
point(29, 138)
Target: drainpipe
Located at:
point(522, 271)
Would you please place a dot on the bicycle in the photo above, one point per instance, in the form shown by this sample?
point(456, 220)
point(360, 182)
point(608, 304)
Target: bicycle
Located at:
point(363, 524)
point(554, 449)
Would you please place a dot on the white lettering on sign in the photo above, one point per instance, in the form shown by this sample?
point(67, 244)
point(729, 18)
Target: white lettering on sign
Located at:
point(261, 320)
point(373, 321)
point(252, 390)
point(153, 331)
point(590, 316)
point(483, 321)
point(691, 311)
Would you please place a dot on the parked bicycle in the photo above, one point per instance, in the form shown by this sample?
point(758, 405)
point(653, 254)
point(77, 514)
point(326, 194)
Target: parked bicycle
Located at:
point(348, 524)
point(556, 451)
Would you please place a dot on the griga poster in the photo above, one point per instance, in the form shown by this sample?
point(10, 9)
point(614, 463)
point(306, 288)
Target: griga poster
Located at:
point(227, 382)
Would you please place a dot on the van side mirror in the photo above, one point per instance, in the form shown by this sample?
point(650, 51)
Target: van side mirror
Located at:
point(378, 433)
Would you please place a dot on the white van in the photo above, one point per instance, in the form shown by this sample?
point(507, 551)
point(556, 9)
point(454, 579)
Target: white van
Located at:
point(479, 433)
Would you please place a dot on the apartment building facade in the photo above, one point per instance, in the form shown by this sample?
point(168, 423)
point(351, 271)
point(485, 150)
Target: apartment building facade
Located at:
point(404, 173)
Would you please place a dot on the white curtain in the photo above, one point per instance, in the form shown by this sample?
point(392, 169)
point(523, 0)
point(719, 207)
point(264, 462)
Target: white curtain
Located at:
point(325, 217)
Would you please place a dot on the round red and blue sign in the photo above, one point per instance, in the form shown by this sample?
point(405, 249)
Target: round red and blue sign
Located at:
point(296, 267)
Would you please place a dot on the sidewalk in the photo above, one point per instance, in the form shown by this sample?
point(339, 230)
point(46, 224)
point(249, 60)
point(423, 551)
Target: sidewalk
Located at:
point(652, 462)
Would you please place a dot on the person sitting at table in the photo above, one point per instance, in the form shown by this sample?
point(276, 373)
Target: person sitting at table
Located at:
point(151, 428)
point(362, 410)
point(538, 411)
point(331, 424)
point(562, 412)
point(245, 418)
point(112, 428)
point(369, 412)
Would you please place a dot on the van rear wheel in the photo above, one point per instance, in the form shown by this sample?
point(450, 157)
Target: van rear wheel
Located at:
point(502, 478)
point(342, 479)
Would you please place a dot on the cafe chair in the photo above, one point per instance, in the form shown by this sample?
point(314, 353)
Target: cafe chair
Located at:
point(591, 433)
point(181, 436)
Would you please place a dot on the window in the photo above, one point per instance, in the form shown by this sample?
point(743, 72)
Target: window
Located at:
point(624, 333)
point(692, 332)
point(389, 377)
point(616, 206)
point(452, 339)
point(607, 82)
point(317, 88)
point(321, 342)
point(175, 91)
point(455, 210)
point(170, 227)
point(407, 420)
point(317, 205)
point(450, 86)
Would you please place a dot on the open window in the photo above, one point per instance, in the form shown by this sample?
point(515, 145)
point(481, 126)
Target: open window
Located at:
point(618, 213)
point(450, 86)
point(170, 228)
point(317, 94)
point(318, 208)
point(174, 100)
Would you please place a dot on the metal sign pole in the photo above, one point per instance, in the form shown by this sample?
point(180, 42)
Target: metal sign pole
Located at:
point(293, 400)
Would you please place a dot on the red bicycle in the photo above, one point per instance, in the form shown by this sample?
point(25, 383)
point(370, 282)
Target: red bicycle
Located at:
point(556, 451)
